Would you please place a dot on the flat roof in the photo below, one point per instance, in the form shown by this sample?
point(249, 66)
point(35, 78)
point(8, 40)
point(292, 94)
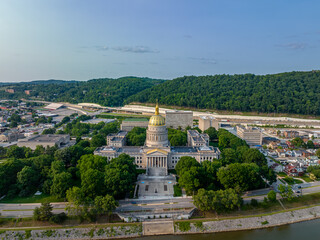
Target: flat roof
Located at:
point(44, 138)
point(136, 120)
point(130, 149)
point(183, 149)
point(98, 120)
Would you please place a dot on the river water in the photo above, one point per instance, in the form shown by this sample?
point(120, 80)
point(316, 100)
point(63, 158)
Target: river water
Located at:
point(308, 230)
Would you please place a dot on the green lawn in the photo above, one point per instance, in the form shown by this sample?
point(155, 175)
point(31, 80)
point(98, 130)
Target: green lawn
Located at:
point(291, 180)
point(306, 178)
point(32, 199)
point(177, 191)
point(268, 208)
point(282, 174)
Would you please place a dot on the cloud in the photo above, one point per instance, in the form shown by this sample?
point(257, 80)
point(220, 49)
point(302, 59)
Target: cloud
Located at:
point(293, 46)
point(204, 60)
point(102, 48)
point(136, 49)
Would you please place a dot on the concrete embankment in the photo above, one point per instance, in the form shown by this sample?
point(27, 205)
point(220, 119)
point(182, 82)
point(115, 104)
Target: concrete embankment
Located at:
point(165, 227)
point(247, 223)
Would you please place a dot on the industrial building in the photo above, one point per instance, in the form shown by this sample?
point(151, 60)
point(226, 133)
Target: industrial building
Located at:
point(61, 140)
point(129, 123)
point(206, 122)
point(252, 135)
point(176, 119)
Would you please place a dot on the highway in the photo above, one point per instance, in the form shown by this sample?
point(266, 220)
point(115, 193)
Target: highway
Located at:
point(147, 205)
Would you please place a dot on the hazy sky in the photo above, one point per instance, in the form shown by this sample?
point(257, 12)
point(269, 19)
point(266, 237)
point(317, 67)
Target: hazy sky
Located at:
point(77, 39)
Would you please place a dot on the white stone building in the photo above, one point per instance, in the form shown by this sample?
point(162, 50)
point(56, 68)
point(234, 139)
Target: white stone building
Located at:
point(157, 156)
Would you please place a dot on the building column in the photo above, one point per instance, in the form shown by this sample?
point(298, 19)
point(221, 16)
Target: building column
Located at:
point(147, 163)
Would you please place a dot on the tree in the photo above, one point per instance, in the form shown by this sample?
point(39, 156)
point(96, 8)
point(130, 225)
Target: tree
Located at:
point(318, 153)
point(92, 183)
point(8, 174)
point(3, 152)
point(190, 180)
point(268, 173)
point(27, 180)
point(310, 144)
point(253, 155)
point(212, 132)
point(136, 137)
point(208, 175)
point(272, 196)
point(105, 205)
point(63, 155)
point(203, 200)
point(109, 128)
point(90, 161)
point(229, 155)
point(223, 142)
point(60, 184)
point(120, 176)
point(97, 141)
point(57, 166)
point(43, 213)
point(298, 142)
point(65, 120)
point(15, 152)
point(185, 163)
point(285, 192)
point(177, 137)
point(49, 131)
point(243, 176)
point(218, 201)
point(40, 150)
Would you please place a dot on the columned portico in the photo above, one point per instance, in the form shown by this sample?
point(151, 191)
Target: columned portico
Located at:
point(160, 162)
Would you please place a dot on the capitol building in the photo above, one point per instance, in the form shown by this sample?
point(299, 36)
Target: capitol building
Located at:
point(157, 156)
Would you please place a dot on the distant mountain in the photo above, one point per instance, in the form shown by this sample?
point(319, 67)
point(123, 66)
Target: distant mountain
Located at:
point(50, 81)
point(104, 91)
point(293, 92)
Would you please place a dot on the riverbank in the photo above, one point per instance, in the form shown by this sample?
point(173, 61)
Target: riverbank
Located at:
point(247, 223)
point(112, 231)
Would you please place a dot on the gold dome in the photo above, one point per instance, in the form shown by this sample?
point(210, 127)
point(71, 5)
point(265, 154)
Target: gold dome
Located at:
point(156, 119)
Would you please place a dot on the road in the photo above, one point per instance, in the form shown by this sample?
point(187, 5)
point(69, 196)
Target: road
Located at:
point(146, 205)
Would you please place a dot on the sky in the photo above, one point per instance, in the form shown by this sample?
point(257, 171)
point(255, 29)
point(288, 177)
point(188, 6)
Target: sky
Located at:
point(165, 39)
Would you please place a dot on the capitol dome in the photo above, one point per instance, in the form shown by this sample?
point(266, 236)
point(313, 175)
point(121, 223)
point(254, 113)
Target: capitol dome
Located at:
point(156, 119)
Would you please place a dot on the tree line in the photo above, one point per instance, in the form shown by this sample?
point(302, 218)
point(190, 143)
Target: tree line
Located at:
point(292, 92)
point(104, 91)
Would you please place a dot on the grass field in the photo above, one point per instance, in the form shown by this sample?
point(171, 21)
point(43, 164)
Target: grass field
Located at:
point(264, 208)
point(32, 199)
point(291, 180)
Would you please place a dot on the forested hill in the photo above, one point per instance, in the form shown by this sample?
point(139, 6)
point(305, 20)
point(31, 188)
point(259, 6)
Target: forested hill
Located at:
point(104, 91)
point(294, 92)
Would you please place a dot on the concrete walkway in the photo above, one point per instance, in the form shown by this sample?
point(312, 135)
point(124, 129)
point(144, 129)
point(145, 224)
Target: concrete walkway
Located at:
point(157, 228)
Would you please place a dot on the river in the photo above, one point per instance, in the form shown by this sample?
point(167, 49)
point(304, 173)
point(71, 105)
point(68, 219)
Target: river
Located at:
point(308, 230)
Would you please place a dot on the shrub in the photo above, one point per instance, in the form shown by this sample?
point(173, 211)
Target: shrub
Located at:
point(272, 196)
point(58, 218)
point(28, 234)
point(254, 202)
point(198, 225)
point(184, 226)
